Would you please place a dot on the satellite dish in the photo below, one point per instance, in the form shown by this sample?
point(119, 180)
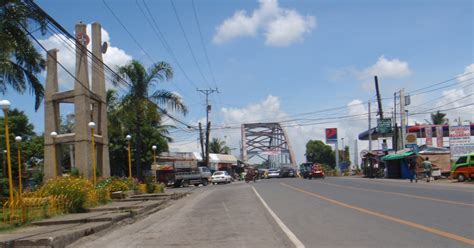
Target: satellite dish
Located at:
point(104, 47)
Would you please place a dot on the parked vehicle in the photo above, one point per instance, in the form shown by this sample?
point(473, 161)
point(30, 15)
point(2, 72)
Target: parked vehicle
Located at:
point(170, 176)
point(221, 177)
point(310, 170)
point(287, 172)
point(463, 168)
point(272, 173)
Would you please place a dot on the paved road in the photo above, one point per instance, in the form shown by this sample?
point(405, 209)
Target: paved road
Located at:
point(335, 212)
point(342, 212)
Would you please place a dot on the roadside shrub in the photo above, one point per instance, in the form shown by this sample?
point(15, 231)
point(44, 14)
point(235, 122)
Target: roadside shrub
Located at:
point(75, 189)
point(113, 184)
point(159, 188)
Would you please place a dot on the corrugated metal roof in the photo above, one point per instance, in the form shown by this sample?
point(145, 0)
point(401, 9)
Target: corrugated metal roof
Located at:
point(222, 158)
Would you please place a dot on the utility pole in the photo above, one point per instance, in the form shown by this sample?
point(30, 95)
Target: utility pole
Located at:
point(201, 139)
point(379, 100)
point(207, 92)
point(207, 143)
point(356, 154)
point(370, 130)
point(402, 116)
point(395, 126)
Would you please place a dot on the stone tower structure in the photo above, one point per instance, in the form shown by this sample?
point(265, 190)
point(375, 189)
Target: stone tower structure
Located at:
point(89, 105)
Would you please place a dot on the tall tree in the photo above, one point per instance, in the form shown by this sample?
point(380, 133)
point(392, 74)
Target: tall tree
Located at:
point(318, 152)
point(218, 146)
point(20, 62)
point(139, 105)
point(438, 118)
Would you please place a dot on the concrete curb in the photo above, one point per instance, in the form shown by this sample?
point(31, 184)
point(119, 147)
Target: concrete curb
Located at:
point(67, 231)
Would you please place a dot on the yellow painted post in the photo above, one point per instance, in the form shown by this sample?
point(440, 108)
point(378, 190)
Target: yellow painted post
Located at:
point(129, 161)
point(128, 137)
point(94, 165)
point(20, 186)
point(94, 162)
point(9, 162)
point(55, 159)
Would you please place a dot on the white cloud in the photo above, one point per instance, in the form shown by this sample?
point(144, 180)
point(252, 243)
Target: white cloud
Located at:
point(280, 26)
point(66, 56)
point(387, 68)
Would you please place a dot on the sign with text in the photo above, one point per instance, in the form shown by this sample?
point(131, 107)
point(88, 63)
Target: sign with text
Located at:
point(439, 135)
point(410, 138)
point(460, 141)
point(331, 135)
point(428, 135)
point(384, 125)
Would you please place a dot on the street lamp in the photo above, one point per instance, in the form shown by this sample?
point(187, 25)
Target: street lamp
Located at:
point(5, 105)
point(55, 162)
point(18, 146)
point(154, 154)
point(129, 138)
point(92, 127)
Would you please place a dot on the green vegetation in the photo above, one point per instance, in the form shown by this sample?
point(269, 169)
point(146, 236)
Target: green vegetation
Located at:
point(20, 62)
point(318, 152)
point(136, 113)
point(218, 146)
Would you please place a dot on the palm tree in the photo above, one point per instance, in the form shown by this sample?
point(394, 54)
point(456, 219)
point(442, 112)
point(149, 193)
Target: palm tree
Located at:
point(438, 118)
point(20, 63)
point(143, 99)
point(218, 146)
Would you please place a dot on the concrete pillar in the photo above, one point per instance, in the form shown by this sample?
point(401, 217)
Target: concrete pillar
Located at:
point(51, 113)
point(100, 109)
point(82, 108)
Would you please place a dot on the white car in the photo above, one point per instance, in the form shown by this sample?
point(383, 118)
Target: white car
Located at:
point(272, 173)
point(221, 177)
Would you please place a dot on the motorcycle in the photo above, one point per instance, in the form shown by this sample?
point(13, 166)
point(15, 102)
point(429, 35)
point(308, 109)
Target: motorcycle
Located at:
point(251, 176)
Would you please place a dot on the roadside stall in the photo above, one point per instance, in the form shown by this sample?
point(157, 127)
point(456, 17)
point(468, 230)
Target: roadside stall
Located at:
point(397, 164)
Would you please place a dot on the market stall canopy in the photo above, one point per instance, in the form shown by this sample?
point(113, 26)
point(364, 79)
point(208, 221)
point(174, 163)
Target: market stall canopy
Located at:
point(396, 156)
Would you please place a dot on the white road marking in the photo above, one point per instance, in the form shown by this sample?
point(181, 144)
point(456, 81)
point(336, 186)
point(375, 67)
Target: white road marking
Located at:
point(284, 228)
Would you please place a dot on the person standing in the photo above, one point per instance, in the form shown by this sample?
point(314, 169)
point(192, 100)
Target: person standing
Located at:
point(412, 167)
point(427, 166)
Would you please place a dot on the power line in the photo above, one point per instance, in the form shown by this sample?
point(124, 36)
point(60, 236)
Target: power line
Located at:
point(128, 32)
point(187, 41)
point(202, 43)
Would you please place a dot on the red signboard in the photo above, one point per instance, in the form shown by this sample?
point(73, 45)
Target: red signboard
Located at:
point(331, 135)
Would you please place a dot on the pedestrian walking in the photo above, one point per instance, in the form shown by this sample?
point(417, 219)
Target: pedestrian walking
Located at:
point(412, 167)
point(427, 166)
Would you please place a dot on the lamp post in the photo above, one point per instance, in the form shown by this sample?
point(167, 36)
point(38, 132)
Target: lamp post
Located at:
point(18, 146)
point(154, 154)
point(5, 105)
point(92, 127)
point(129, 138)
point(55, 162)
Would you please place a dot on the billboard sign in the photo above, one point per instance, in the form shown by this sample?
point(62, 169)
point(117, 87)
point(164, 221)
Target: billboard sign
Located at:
point(384, 125)
point(460, 141)
point(429, 135)
point(331, 135)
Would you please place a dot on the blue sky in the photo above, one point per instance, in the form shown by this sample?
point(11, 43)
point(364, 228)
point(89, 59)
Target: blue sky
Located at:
point(320, 54)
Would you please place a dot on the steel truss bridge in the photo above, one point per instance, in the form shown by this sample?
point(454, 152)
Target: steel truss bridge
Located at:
point(269, 142)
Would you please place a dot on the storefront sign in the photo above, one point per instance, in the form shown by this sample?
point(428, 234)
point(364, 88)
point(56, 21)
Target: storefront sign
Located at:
point(384, 125)
point(460, 141)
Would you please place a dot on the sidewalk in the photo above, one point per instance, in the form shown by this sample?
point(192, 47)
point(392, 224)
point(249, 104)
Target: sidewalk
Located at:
point(62, 230)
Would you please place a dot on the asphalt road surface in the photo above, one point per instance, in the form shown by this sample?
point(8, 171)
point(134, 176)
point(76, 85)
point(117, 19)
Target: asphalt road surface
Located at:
point(334, 212)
